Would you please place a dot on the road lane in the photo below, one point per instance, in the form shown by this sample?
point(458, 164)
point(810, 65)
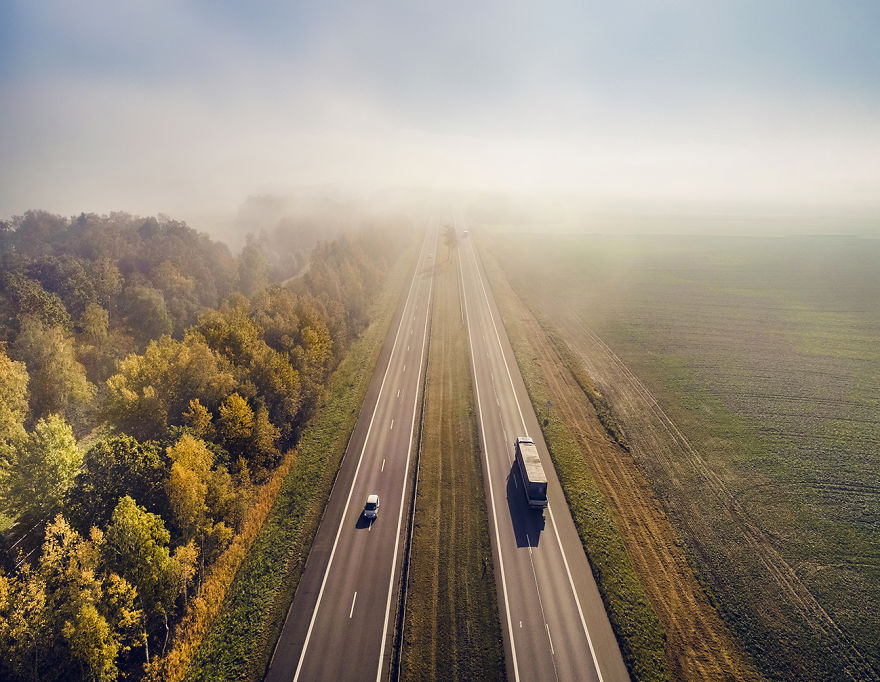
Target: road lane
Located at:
point(555, 624)
point(338, 626)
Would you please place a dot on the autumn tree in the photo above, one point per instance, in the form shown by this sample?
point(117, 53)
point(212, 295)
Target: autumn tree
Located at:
point(152, 391)
point(65, 618)
point(198, 419)
point(25, 625)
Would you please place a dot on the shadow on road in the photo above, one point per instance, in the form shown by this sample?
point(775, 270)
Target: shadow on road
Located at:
point(528, 523)
point(363, 522)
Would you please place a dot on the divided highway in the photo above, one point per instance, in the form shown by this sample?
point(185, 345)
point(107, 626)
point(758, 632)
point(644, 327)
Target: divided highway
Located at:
point(341, 622)
point(554, 623)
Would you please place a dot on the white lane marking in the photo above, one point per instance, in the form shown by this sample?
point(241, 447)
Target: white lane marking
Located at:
point(498, 337)
point(520, 624)
point(353, 599)
point(577, 600)
point(398, 392)
point(491, 488)
point(392, 425)
point(541, 606)
point(407, 347)
point(383, 466)
point(412, 429)
point(302, 655)
point(404, 368)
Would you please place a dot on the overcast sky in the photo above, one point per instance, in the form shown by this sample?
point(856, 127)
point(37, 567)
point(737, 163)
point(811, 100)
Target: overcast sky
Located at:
point(186, 107)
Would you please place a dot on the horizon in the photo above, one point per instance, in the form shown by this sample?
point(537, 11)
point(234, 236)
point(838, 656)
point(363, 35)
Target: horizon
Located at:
point(189, 110)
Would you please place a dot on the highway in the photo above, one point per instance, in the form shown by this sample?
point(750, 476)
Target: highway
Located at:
point(554, 623)
point(341, 622)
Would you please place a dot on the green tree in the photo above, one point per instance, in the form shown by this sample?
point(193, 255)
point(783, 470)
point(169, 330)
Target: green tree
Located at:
point(41, 468)
point(146, 313)
point(94, 322)
point(253, 267)
point(113, 468)
point(13, 405)
point(92, 643)
point(135, 547)
point(30, 299)
point(57, 380)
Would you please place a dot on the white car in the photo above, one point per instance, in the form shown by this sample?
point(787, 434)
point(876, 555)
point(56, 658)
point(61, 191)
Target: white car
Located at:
point(371, 508)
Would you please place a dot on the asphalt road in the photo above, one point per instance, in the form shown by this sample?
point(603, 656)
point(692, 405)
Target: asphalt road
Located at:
point(340, 624)
point(554, 623)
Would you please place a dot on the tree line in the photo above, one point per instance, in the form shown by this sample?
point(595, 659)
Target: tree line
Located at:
point(187, 371)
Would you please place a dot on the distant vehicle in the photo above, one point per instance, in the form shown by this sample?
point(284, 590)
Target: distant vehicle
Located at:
point(464, 233)
point(532, 473)
point(371, 508)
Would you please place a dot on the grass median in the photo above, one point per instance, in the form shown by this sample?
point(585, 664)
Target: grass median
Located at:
point(452, 629)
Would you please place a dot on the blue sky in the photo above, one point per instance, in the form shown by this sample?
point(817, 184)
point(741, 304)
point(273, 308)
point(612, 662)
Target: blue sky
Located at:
point(184, 107)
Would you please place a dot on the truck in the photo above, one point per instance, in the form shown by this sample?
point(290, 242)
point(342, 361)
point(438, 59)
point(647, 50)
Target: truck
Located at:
point(532, 472)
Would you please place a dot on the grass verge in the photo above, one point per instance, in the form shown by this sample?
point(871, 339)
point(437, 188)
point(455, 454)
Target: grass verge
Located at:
point(451, 626)
point(240, 640)
point(636, 625)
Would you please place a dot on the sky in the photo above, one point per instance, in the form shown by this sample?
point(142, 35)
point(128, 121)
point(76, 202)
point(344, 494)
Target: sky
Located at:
point(187, 108)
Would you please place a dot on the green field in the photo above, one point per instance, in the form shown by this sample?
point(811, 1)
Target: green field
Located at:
point(765, 354)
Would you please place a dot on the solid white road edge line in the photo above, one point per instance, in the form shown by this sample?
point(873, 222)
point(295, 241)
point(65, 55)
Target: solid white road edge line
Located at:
point(552, 520)
point(412, 429)
point(302, 655)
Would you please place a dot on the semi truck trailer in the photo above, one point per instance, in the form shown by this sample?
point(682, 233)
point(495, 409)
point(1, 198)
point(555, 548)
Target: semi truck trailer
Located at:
point(532, 472)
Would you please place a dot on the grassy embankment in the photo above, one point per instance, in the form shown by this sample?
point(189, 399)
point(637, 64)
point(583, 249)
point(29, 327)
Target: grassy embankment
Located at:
point(764, 356)
point(635, 623)
point(451, 628)
point(240, 641)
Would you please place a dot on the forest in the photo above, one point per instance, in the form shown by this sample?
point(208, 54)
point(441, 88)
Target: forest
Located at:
point(149, 382)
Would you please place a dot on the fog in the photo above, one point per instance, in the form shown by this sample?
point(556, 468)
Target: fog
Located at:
point(577, 114)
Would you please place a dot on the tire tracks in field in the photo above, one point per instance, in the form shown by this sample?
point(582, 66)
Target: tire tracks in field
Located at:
point(641, 412)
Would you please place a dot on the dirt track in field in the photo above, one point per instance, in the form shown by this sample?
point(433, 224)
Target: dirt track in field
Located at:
point(662, 448)
point(699, 644)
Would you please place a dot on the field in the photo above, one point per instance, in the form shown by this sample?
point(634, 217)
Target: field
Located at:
point(451, 627)
point(745, 374)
